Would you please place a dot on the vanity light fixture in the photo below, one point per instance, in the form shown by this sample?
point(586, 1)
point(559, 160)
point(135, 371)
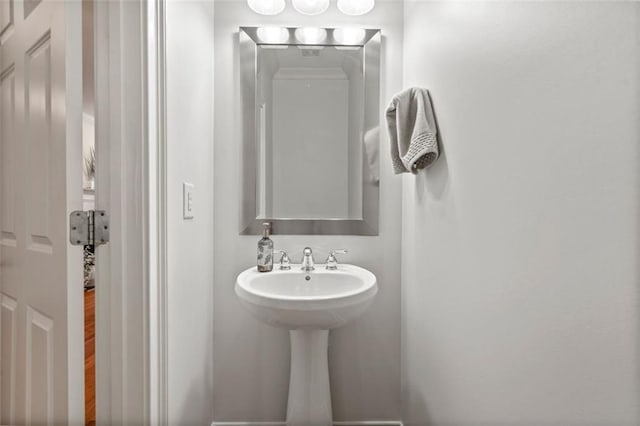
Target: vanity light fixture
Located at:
point(355, 7)
point(349, 36)
point(273, 35)
point(310, 7)
point(311, 35)
point(266, 7)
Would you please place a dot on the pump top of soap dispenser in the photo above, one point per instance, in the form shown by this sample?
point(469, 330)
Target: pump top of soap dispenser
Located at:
point(266, 229)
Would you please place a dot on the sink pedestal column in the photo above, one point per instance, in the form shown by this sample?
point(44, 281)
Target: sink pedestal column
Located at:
point(309, 395)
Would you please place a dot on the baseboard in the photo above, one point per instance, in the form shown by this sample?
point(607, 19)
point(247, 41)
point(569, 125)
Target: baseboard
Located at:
point(355, 423)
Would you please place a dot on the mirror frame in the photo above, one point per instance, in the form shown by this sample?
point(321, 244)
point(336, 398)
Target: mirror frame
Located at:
point(250, 224)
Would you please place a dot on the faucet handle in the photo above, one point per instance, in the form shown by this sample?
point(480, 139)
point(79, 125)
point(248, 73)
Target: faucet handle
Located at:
point(332, 262)
point(285, 262)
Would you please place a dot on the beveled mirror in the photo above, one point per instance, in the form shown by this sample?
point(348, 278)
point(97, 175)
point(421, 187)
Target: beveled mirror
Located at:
point(310, 115)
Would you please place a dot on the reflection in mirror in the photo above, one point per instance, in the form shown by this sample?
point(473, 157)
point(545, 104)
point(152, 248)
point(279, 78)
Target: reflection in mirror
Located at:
point(310, 114)
point(310, 107)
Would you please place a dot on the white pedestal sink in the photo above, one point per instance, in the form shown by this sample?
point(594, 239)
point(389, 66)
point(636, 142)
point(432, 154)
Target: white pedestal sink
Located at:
point(308, 304)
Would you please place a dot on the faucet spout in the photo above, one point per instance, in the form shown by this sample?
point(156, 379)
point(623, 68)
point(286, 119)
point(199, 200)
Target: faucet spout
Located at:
point(307, 260)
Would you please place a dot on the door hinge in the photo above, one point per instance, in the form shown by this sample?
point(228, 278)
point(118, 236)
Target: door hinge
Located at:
point(90, 228)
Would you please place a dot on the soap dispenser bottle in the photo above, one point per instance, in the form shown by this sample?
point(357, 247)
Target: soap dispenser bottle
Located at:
point(265, 250)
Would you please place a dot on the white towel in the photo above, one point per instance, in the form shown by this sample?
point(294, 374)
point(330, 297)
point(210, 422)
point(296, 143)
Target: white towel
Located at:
point(412, 131)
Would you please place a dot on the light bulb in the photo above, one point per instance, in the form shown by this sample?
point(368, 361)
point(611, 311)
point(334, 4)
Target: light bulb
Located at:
point(266, 7)
point(349, 36)
point(310, 7)
point(355, 7)
point(311, 35)
point(273, 35)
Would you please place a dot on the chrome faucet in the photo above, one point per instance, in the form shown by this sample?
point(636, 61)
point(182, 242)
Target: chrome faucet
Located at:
point(307, 260)
point(285, 263)
point(332, 262)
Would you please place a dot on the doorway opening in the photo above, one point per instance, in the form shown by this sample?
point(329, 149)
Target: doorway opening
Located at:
point(88, 203)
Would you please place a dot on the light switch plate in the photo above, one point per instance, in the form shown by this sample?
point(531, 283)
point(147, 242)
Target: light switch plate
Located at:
point(188, 190)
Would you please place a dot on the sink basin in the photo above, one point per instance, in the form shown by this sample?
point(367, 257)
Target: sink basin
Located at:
point(309, 304)
point(293, 299)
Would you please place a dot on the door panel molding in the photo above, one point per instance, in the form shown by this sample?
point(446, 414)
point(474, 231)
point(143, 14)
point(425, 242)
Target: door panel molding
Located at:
point(6, 19)
point(8, 349)
point(40, 382)
point(38, 133)
point(8, 199)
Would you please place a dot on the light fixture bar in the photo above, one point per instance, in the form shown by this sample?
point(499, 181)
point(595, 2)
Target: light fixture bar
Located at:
point(331, 36)
point(311, 7)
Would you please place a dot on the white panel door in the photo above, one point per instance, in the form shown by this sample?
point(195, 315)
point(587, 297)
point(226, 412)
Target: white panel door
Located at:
point(41, 316)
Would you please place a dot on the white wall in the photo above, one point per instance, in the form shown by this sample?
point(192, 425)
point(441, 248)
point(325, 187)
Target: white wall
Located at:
point(251, 367)
point(189, 56)
point(520, 246)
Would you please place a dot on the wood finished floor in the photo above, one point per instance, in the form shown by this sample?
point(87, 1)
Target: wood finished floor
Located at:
point(90, 357)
